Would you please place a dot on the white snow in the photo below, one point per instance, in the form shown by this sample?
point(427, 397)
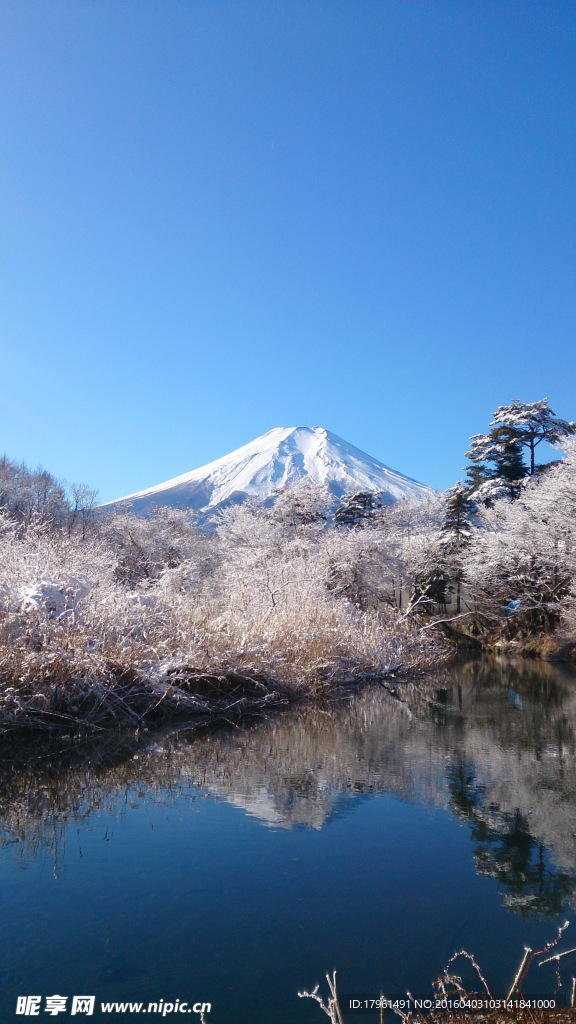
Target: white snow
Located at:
point(57, 600)
point(282, 457)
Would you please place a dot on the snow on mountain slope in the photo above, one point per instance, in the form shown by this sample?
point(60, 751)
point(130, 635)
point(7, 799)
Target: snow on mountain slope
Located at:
point(280, 458)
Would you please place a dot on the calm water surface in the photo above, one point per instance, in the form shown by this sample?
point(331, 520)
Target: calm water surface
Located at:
point(238, 865)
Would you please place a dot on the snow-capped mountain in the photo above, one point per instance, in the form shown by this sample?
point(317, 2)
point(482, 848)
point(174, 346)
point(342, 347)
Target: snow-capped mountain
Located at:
point(281, 458)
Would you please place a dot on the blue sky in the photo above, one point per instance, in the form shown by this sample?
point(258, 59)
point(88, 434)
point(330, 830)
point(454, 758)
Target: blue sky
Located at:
point(220, 216)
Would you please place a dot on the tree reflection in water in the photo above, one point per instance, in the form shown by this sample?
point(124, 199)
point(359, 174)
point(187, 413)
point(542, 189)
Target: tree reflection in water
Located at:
point(496, 747)
point(504, 848)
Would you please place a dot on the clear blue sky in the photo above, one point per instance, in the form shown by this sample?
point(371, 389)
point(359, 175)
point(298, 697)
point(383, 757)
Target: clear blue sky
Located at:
point(220, 216)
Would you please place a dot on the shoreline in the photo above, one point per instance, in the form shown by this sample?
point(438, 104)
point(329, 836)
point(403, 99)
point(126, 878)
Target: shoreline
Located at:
point(126, 700)
point(54, 697)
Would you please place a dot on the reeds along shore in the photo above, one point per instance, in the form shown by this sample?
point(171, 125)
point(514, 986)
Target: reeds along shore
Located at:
point(97, 632)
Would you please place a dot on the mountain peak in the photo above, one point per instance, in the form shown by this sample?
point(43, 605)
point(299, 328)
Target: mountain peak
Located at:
point(282, 457)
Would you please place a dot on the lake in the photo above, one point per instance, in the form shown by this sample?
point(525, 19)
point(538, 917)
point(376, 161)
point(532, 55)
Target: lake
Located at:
point(236, 865)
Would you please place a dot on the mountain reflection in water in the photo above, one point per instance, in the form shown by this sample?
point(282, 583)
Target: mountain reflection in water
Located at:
point(496, 747)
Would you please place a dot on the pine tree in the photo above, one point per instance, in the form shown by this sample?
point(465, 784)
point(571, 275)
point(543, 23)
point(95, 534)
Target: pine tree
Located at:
point(459, 512)
point(358, 509)
point(476, 475)
point(503, 450)
point(532, 423)
point(508, 454)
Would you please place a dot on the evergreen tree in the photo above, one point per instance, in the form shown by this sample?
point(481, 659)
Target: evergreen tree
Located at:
point(497, 457)
point(358, 509)
point(476, 475)
point(502, 448)
point(459, 512)
point(507, 457)
point(532, 423)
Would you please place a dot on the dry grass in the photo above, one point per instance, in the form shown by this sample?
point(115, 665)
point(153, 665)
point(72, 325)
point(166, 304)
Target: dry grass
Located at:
point(119, 663)
point(82, 645)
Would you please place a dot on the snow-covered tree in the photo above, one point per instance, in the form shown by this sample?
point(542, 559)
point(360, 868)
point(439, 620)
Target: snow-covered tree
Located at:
point(497, 466)
point(82, 505)
point(524, 555)
point(27, 493)
point(502, 449)
point(532, 423)
point(301, 505)
point(145, 547)
point(358, 509)
point(459, 512)
point(362, 565)
point(32, 495)
point(496, 489)
point(476, 475)
point(265, 563)
point(416, 553)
